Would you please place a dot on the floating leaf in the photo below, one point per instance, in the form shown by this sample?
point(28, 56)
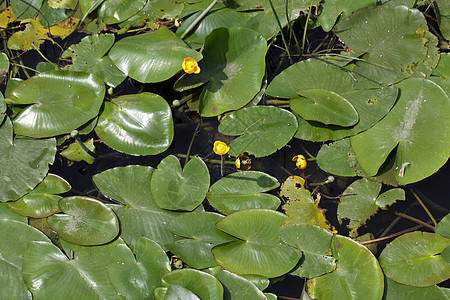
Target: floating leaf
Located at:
point(357, 275)
point(333, 9)
point(360, 201)
point(7, 214)
point(151, 57)
point(176, 189)
point(2, 108)
point(233, 67)
point(137, 278)
point(414, 259)
point(243, 190)
point(34, 34)
point(200, 235)
point(259, 245)
point(75, 153)
point(23, 162)
point(116, 11)
point(443, 227)
point(332, 158)
point(12, 247)
point(86, 221)
point(395, 291)
point(315, 245)
point(42, 201)
point(25, 9)
point(139, 216)
point(58, 102)
point(139, 124)
point(238, 287)
point(422, 108)
point(443, 11)
point(49, 16)
point(263, 129)
point(6, 17)
point(68, 4)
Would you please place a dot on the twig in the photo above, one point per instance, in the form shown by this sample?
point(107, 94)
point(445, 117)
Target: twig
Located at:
point(392, 235)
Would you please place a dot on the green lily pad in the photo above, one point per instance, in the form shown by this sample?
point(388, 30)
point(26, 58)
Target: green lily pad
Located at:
point(2, 108)
point(42, 201)
point(395, 291)
point(15, 237)
point(7, 214)
point(422, 108)
point(360, 201)
point(139, 124)
point(414, 259)
point(357, 275)
point(263, 129)
point(58, 102)
point(259, 245)
point(137, 278)
point(140, 215)
point(443, 227)
point(23, 162)
point(332, 9)
point(443, 12)
point(151, 57)
point(176, 189)
point(75, 153)
point(314, 242)
point(233, 68)
point(332, 158)
point(204, 285)
point(370, 104)
point(89, 56)
point(443, 67)
point(116, 11)
point(200, 235)
point(85, 221)
point(49, 16)
point(326, 107)
point(25, 9)
point(243, 190)
point(174, 292)
point(383, 33)
point(238, 287)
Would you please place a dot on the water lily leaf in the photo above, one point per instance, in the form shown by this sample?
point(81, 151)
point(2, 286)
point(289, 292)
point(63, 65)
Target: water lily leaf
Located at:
point(325, 107)
point(68, 4)
point(361, 201)
point(85, 221)
point(414, 259)
point(87, 6)
point(243, 190)
point(25, 9)
point(443, 12)
point(391, 38)
point(58, 102)
point(300, 206)
point(422, 108)
point(137, 278)
point(2, 108)
point(6, 17)
point(116, 11)
point(12, 248)
point(43, 200)
point(140, 215)
point(151, 57)
point(259, 244)
point(75, 153)
point(138, 124)
point(394, 291)
point(23, 162)
point(443, 227)
point(47, 271)
point(331, 10)
point(357, 275)
point(315, 244)
point(232, 67)
point(49, 16)
point(34, 34)
point(89, 56)
point(200, 283)
point(370, 104)
point(239, 287)
point(7, 214)
point(332, 158)
point(443, 67)
point(263, 129)
point(176, 189)
point(200, 235)
point(174, 292)
point(4, 67)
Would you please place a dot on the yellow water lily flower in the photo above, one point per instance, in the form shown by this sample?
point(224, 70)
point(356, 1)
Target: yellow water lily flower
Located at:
point(243, 162)
point(220, 148)
point(300, 161)
point(190, 66)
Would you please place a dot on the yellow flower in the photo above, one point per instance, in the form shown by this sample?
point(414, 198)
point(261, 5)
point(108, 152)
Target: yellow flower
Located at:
point(220, 148)
point(190, 66)
point(243, 162)
point(300, 161)
point(177, 22)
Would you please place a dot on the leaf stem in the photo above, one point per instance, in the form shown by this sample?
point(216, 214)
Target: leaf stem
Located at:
point(391, 236)
point(414, 220)
point(304, 31)
point(281, 30)
point(424, 207)
point(213, 161)
point(76, 135)
point(199, 18)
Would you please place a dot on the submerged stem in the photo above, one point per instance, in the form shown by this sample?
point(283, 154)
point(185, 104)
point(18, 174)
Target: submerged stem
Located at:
point(414, 220)
point(425, 208)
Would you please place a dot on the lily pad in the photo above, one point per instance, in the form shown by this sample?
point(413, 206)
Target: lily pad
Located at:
point(263, 129)
point(422, 108)
point(243, 190)
point(24, 162)
point(75, 153)
point(394, 291)
point(443, 227)
point(2, 107)
point(332, 158)
point(151, 57)
point(140, 215)
point(238, 287)
point(415, 259)
point(333, 9)
point(233, 68)
point(176, 189)
point(357, 275)
point(139, 124)
point(86, 221)
point(43, 200)
point(25, 9)
point(58, 102)
point(259, 244)
point(137, 278)
point(116, 11)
